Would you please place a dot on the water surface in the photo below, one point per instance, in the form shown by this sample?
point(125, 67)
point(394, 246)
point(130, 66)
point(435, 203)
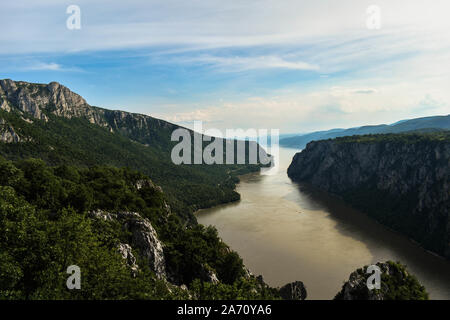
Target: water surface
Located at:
point(287, 232)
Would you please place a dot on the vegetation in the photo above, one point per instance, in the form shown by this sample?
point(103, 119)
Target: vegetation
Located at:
point(45, 226)
point(396, 284)
point(401, 138)
point(77, 142)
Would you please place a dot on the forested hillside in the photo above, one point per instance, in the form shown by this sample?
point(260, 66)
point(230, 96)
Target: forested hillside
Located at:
point(53, 217)
point(72, 196)
point(54, 124)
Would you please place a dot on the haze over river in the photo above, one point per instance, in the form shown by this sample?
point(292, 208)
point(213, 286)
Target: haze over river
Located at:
point(287, 232)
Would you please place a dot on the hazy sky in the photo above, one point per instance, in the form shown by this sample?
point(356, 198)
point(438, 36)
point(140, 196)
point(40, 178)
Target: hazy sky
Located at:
point(289, 64)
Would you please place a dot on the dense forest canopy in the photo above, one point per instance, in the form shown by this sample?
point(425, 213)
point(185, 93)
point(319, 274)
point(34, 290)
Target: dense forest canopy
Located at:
point(45, 226)
point(78, 142)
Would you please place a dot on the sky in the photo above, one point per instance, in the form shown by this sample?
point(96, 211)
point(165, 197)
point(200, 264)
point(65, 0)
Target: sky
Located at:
point(293, 65)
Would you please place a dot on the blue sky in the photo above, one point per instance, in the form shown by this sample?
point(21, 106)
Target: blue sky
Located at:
point(294, 65)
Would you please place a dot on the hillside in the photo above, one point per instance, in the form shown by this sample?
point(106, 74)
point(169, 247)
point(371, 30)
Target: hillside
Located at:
point(116, 226)
point(52, 123)
point(401, 180)
point(426, 124)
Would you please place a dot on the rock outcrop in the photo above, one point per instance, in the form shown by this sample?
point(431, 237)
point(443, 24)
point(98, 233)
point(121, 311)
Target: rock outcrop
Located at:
point(403, 181)
point(143, 238)
point(126, 252)
point(212, 277)
point(293, 291)
point(395, 284)
point(7, 133)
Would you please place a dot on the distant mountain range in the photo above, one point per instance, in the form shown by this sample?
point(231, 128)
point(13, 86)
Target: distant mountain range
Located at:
point(427, 124)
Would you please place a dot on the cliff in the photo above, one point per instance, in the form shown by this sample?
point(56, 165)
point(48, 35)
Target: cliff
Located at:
point(401, 180)
point(42, 100)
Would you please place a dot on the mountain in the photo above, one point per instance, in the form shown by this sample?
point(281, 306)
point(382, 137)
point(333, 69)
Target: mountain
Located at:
point(50, 122)
point(401, 180)
point(426, 124)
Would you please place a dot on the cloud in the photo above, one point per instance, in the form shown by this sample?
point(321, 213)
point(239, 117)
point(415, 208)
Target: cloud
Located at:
point(41, 26)
point(242, 63)
point(349, 91)
point(39, 66)
point(324, 108)
point(45, 66)
point(365, 91)
point(429, 103)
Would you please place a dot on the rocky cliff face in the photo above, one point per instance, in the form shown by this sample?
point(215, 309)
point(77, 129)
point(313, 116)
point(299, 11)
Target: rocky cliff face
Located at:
point(400, 180)
point(35, 98)
point(143, 238)
point(7, 133)
point(41, 100)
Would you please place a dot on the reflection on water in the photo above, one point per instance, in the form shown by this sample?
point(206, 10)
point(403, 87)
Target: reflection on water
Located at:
point(289, 232)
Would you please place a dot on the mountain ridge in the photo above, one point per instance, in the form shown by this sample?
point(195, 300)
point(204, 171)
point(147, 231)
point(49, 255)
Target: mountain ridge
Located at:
point(51, 122)
point(35, 98)
point(423, 123)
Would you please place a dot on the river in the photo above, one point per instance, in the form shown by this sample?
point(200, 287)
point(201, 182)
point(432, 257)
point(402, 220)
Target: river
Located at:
point(286, 232)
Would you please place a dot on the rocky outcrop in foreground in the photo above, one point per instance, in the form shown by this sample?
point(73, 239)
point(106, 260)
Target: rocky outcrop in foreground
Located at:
point(395, 284)
point(403, 181)
point(293, 291)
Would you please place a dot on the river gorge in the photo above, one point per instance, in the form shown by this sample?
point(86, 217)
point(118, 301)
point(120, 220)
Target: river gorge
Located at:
point(288, 231)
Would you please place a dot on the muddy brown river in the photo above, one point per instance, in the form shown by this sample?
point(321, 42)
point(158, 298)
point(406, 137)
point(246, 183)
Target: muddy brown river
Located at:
point(287, 232)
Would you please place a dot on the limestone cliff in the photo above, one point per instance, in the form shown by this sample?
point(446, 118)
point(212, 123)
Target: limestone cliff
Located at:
point(7, 133)
point(400, 180)
point(42, 100)
point(143, 238)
